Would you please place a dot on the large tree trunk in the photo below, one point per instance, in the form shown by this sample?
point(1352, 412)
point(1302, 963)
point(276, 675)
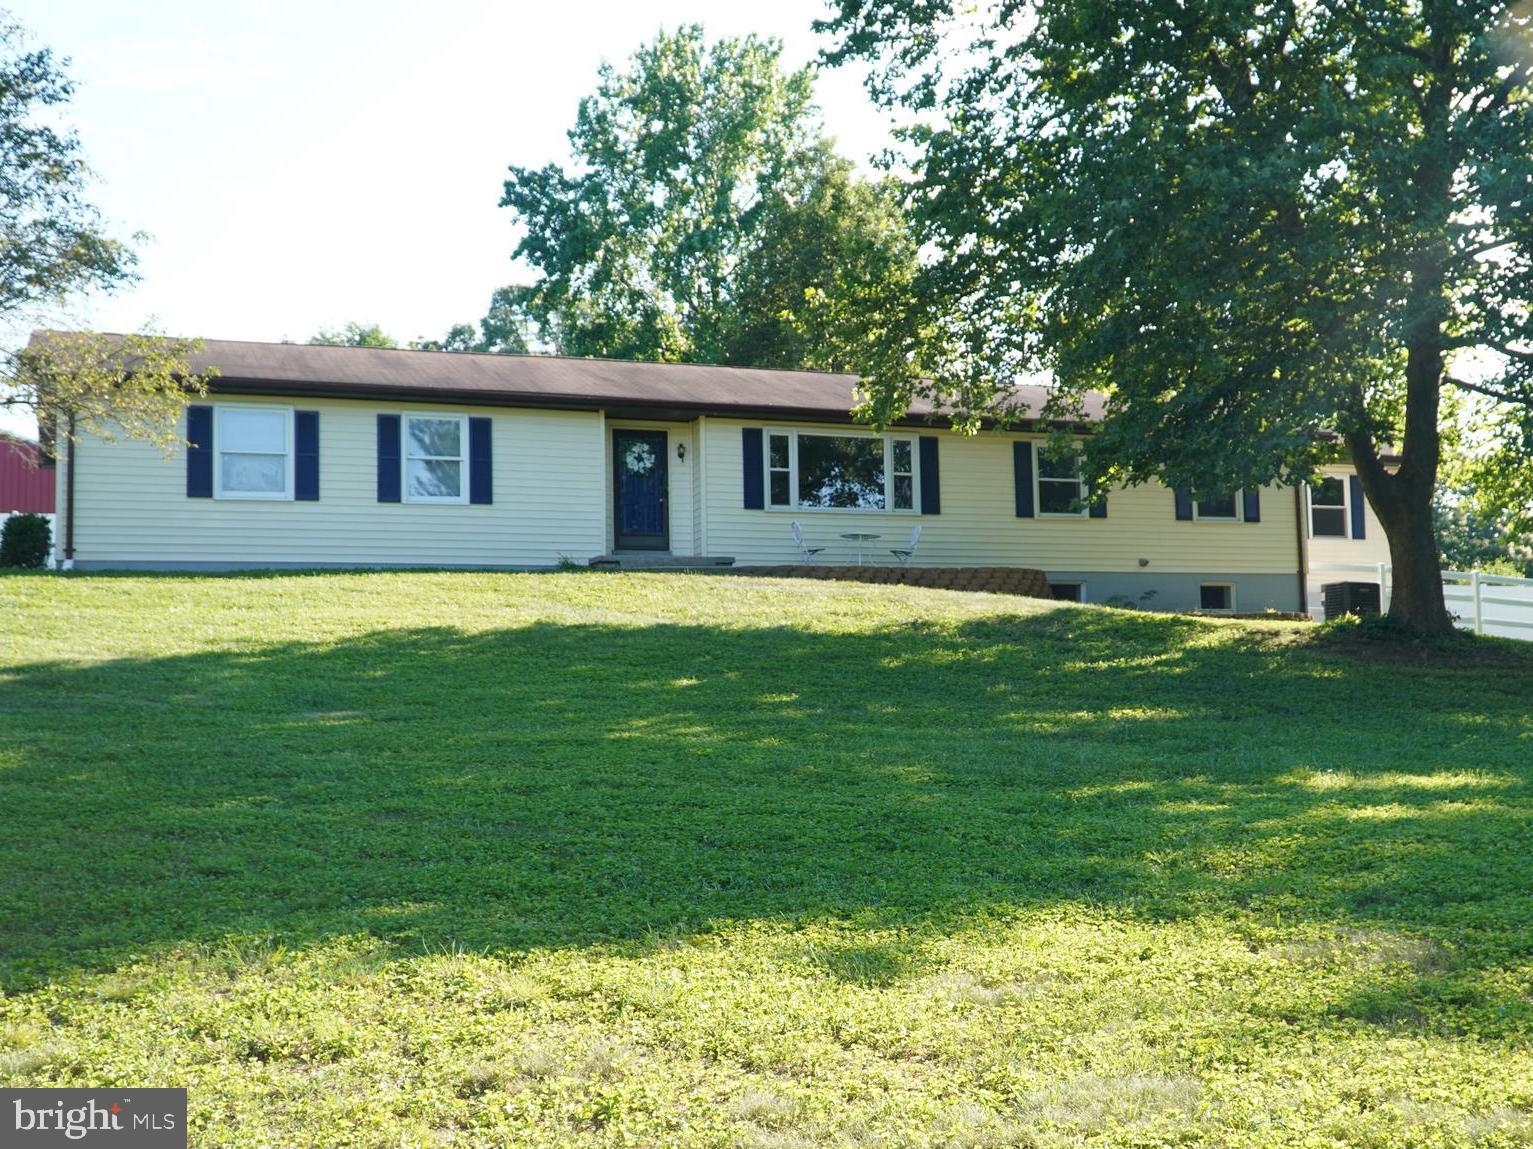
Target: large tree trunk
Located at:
point(1417, 598)
point(1403, 498)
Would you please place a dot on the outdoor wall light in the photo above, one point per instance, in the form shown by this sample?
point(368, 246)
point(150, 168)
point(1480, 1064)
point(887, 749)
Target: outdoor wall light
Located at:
point(681, 450)
point(1144, 562)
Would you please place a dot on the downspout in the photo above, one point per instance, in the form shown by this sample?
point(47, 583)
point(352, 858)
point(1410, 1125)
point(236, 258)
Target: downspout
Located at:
point(1303, 547)
point(69, 497)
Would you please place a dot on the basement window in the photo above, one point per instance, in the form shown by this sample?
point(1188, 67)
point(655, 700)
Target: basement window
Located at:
point(1068, 591)
point(1217, 597)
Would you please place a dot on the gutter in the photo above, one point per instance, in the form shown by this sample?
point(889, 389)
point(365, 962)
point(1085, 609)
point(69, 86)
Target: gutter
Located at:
point(69, 497)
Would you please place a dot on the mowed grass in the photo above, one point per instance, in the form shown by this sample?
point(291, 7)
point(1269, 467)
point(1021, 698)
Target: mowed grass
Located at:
point(572, 859)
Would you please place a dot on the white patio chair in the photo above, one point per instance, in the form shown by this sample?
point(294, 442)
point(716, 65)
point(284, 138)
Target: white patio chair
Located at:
point(804, 548)
point(905, 554)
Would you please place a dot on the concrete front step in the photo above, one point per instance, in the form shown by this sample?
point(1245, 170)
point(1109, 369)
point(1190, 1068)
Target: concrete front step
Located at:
point(657, 561)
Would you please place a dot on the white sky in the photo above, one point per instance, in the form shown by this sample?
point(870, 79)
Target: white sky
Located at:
point(298, 165)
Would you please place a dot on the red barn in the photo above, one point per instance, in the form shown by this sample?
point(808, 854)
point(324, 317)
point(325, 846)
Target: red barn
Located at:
point(26, 477)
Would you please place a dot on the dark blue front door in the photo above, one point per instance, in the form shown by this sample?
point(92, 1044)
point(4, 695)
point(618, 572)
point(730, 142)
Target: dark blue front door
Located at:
point(639, 479)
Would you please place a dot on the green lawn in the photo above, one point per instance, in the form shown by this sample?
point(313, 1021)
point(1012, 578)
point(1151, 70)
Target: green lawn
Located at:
point(486, 859)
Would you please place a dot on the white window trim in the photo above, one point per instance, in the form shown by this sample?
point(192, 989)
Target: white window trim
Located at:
point(1231, 609)
point(1238, 517)
point(1039, 480)
point(405, 456)
point(1345, 508)
point(290, 450)
point(888, 440)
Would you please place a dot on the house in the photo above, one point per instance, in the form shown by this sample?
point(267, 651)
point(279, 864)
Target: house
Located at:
point(309, 456)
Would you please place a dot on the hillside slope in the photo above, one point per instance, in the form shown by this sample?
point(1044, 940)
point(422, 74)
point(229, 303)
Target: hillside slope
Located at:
point(477, 859)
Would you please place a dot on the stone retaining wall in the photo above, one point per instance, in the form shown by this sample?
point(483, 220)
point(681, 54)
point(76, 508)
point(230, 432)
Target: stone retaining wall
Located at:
point(995, 580)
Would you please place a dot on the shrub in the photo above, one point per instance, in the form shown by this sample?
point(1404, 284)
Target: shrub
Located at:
point(25, 541)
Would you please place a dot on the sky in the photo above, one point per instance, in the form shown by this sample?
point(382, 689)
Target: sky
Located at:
point(297, 165)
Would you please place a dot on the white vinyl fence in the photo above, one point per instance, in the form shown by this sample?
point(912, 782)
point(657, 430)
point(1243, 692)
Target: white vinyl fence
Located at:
point(1483, 603)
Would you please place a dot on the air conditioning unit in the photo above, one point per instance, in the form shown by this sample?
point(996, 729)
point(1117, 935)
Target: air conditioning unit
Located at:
point(1350, 598)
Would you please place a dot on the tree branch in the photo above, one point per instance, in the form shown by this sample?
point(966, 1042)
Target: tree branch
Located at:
point(1521, 400)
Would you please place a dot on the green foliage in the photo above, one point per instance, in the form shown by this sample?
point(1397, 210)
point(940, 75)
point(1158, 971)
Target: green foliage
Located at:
point(502, 331)
point(355, 335)
point(52, 244)
point(706, 220)
point(133, 386)
point(1474, 537)
point(704, 861)
point(51, 238)
point(1246, 223)
point(24, 541)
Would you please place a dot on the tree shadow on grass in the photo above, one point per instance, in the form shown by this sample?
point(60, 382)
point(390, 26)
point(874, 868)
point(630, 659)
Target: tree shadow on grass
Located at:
point(567, 785)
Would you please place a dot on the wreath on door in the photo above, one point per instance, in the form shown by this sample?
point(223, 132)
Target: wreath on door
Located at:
point(639, 459)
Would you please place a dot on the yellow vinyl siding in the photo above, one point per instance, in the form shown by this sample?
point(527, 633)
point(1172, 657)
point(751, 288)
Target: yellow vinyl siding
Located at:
point(1327, 552)
point(1372, 548)
point(131, 503)
point(978, 524)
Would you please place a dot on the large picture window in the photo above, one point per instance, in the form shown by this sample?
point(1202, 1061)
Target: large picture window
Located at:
point(1328, 509)
point(255, 452)
point(816, 471)
point(436, 448)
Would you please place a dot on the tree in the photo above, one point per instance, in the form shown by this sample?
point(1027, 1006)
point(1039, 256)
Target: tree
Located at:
point(51, 238)
point(354, 335)
point(1473, 538)
point(1263, 228)
point(706, 219)
point(52, 245)
point(502, 331)
point(134, 386)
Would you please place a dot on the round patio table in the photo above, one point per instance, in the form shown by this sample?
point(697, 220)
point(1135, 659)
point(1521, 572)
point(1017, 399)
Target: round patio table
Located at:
point(858, 538)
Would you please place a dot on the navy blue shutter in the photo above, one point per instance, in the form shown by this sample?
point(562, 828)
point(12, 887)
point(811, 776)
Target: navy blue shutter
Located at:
point(753, 475)
point(306, 456)
point(1183, 503)
point(1099, 508)
point(1253, 505)
point(1022, 472)
point(931, 485)
point(1359, 512)
point(388, 458)
point(480, 461)
point(199, 452)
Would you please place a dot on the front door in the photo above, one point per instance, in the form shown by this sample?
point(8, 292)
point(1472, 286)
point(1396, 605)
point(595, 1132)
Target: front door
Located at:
point(639, 481)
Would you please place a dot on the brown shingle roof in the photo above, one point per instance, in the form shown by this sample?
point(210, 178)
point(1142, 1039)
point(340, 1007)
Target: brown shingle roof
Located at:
point(541, 381)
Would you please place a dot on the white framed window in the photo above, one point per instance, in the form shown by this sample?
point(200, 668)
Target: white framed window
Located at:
point(254, 447)
point(435, 458)
point(779, 469)
point(1217, 598)
point(1067, 591)
point(1328, 510)
point(1060, 493)
point(836, 471)
point(1217, 508)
